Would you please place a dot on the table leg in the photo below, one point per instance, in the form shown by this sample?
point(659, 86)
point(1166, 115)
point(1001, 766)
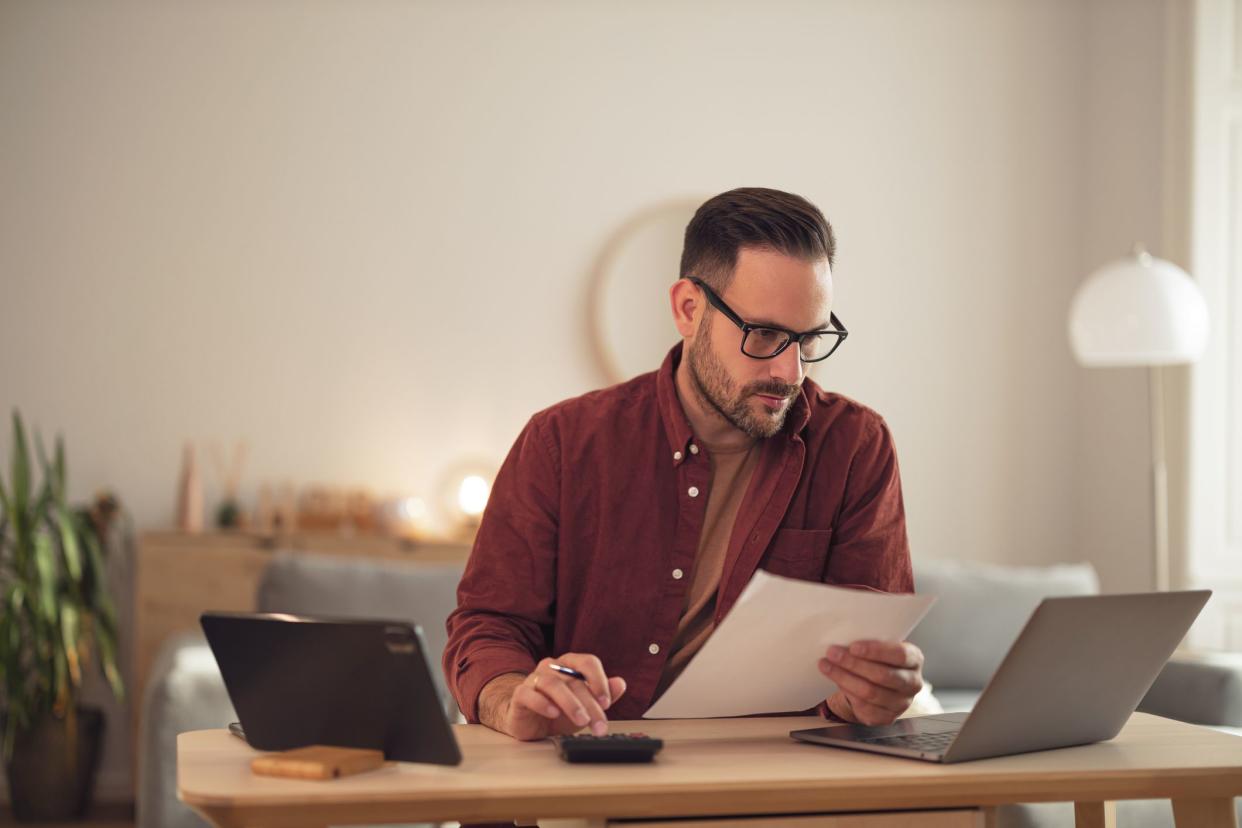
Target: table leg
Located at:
point(1095, 815)
point(1204, 813)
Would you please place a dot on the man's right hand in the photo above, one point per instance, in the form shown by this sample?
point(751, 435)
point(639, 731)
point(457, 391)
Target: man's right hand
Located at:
point(546, 702)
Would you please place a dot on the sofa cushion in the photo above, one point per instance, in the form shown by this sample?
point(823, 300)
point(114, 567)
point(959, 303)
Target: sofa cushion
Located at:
point(954, 700)
point(980, 611)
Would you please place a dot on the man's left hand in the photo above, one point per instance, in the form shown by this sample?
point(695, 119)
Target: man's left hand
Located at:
point(876, 680)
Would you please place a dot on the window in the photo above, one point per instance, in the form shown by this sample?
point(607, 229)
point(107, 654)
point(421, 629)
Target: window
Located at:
point(1215, 470)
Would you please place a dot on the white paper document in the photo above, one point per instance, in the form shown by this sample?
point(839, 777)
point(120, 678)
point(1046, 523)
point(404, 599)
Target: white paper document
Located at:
point(763, 657)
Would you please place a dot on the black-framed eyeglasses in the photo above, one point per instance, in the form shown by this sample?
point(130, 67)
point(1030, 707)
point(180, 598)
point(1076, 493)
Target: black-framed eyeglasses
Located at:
point(767, 341)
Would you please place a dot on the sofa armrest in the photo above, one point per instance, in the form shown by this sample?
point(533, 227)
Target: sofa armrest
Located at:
point(1199, 688)
point(184, 692)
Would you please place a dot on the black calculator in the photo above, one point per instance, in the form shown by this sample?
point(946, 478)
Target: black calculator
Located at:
point(614, 747)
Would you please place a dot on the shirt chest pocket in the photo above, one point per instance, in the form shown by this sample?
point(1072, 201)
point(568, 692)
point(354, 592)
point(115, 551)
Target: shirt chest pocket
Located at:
point(798, 553)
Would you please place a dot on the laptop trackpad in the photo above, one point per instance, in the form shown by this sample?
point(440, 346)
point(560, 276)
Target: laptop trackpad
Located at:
point(944, 723)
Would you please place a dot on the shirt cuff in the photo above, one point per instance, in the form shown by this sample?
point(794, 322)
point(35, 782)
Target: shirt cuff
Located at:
point(477, 668)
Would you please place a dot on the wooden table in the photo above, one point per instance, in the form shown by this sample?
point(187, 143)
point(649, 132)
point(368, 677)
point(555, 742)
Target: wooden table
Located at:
point(728, 767)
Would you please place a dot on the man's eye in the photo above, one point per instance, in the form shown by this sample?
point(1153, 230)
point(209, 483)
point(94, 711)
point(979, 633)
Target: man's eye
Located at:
point(768, 335)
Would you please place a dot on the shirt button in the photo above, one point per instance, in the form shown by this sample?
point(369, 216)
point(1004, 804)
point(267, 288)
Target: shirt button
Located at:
point(677, 573)
point(677, 455)
point(694, 449)
point(693, 491)
point(654, 649)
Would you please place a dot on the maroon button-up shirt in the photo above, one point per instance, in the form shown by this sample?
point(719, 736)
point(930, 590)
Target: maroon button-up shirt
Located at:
point(603, 496)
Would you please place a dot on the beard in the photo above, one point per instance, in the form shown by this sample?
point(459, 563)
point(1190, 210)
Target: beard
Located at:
point(717, 389)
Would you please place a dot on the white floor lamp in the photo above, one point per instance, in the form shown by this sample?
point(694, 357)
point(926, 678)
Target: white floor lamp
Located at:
point(1142, 311)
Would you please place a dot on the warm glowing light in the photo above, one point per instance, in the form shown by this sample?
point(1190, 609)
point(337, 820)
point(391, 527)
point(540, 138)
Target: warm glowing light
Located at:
point(412, 509)
point(472, 495)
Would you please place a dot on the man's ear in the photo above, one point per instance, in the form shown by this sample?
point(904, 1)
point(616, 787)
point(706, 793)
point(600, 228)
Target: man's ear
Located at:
point(687, 303)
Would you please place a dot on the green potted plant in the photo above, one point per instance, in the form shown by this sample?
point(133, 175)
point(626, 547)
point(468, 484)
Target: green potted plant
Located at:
point(56, 620)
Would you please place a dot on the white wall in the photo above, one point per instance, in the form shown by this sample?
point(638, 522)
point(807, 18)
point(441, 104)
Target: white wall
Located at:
point(359, 234)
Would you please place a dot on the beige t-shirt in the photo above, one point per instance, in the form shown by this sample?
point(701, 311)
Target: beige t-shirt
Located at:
point(731, 473)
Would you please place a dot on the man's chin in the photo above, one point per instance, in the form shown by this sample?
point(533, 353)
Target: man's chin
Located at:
point(763, 421)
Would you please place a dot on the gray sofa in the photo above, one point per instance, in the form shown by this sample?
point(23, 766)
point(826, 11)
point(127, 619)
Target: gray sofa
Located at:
point(964, 637)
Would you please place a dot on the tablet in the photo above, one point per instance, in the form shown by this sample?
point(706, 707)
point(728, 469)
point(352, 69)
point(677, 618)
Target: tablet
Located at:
point(296, 680)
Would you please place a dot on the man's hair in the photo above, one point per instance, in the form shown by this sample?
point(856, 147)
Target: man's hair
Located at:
point(754, 217)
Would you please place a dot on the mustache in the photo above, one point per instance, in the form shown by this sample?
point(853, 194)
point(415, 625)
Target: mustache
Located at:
point(772, 389)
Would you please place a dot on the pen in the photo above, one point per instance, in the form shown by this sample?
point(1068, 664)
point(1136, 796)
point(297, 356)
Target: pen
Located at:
point(569, 671)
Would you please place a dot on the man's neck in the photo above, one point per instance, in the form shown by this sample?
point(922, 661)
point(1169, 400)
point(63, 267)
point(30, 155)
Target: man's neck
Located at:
point(709, 425)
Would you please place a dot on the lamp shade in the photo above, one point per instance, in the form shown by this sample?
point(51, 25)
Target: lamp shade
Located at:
point(1138, 311)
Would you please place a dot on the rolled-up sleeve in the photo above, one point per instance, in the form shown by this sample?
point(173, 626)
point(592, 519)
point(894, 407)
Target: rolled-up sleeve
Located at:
point(505, 601)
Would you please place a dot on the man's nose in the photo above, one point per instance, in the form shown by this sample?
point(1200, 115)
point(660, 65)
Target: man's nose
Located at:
point(787, 365)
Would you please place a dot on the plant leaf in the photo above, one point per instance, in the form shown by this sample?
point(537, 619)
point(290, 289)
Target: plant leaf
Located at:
point(41, 453)
point(62, 474)
point(100, 599)
point(107, 660)
point(41, 504)
point(46, 489)
point(45, 565)
point(69, 623)
point(20, 474)
point(7, 618)
point(14, 595)
point(69, 544)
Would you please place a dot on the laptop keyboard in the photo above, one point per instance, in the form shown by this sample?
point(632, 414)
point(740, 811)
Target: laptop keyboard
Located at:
point(925, 742)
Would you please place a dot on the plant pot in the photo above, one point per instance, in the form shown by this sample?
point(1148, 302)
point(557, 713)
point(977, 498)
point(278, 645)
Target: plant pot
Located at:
point(49, 780)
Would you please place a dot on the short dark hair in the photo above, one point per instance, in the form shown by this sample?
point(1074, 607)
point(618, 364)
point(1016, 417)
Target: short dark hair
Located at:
point(754, 217)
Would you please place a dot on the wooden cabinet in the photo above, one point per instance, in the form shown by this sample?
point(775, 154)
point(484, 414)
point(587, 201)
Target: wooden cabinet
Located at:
point(178, 576)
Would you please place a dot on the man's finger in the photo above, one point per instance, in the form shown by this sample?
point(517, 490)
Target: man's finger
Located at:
point(871, 715)
point(557, 691)
point(853, 710)
point(894, 678)
point(839, 704)
point(616, 687)
point(572, 695)
point(901, 654)
point(528, 698)
point(593, 669)
point(860, 689)
point(595, 712)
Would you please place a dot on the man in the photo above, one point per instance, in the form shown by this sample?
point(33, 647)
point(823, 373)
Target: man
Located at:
point(625, 523)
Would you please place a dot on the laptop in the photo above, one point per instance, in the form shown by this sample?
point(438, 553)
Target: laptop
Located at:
point(295, 680)
point(1076, 672)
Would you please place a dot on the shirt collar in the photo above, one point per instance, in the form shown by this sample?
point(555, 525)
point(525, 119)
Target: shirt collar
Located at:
point(677, 425)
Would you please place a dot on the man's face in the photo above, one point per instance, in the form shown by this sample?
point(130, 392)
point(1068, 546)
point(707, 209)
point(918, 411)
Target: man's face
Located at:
point(768, 288)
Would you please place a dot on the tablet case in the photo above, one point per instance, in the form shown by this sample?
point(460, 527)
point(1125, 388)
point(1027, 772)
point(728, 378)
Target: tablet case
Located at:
point(297, 681)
